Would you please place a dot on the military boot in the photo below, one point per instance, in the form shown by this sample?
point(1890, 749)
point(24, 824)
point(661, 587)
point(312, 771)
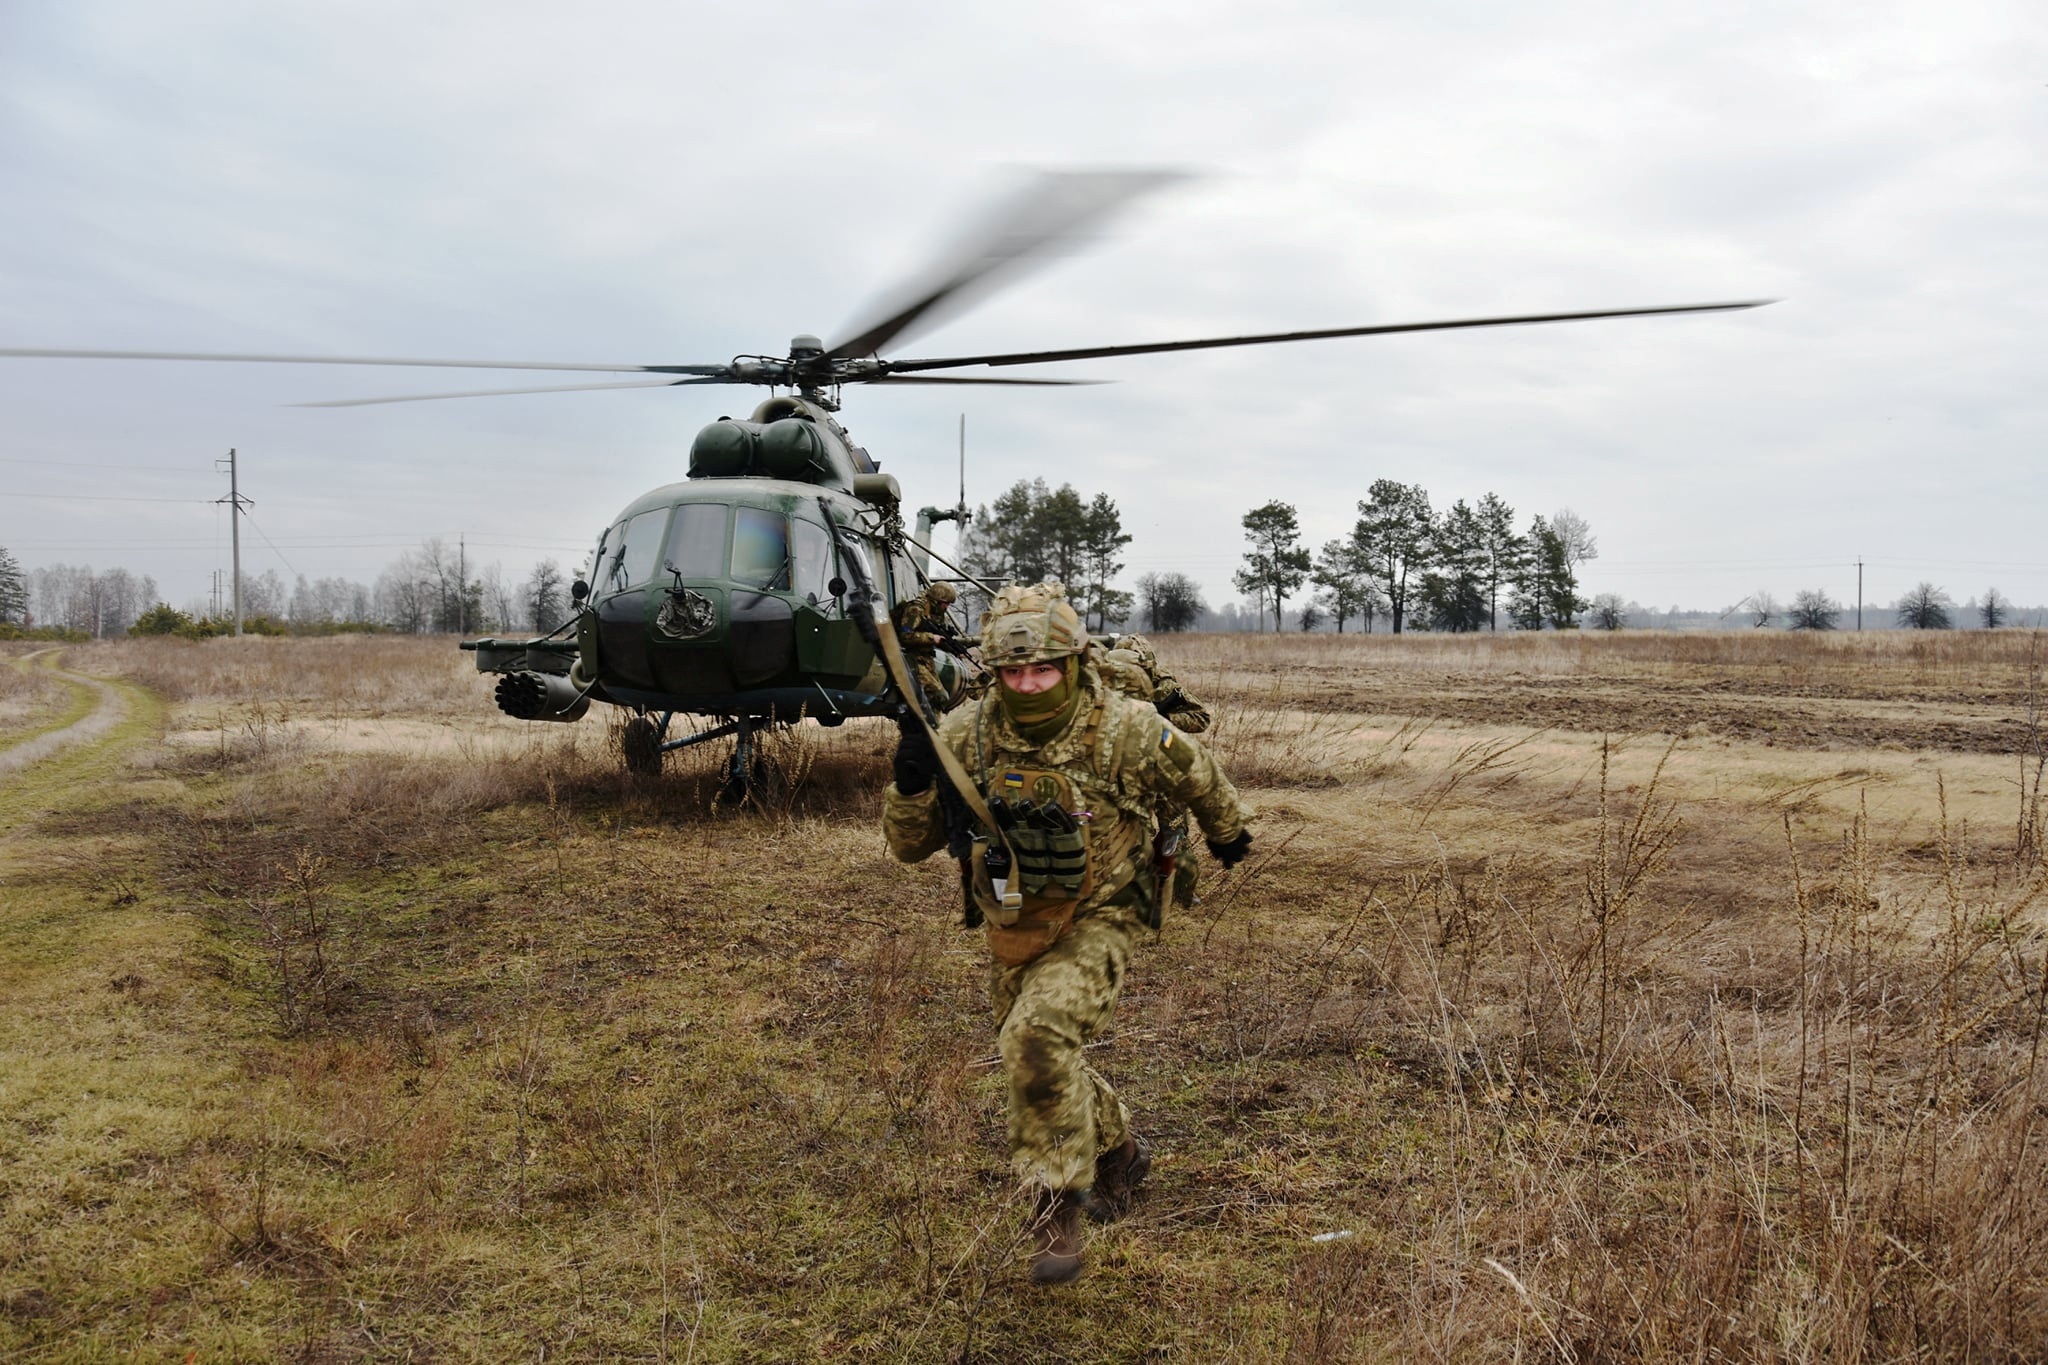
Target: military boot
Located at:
point(1118, 1174)
point(1056, 1222)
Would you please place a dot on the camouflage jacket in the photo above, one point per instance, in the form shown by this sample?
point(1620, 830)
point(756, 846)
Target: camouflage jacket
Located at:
point(921, 624)
point(1122, 761)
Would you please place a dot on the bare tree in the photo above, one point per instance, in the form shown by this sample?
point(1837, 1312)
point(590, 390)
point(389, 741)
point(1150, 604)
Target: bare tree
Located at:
point(501, 609)
point(1925, 608)
point(265, 595)
point(541, 595)
point(1761, 607)
point(1170, 601)
point(1992, 610)
point(1813, 609)
point(1607, 612)
point(1577, 534)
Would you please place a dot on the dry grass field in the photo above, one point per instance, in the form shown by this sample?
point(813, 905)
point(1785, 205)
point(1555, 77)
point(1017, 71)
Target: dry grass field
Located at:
point(1640, 997)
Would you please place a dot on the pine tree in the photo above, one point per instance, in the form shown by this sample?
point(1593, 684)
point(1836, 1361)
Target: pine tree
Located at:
point(1393, 540)
point(13, 590)
point(1505, 551)
point(1546, 591)
point(1347, 590)
point(1276, 564)
point(1102, 539)
point(1454, 590)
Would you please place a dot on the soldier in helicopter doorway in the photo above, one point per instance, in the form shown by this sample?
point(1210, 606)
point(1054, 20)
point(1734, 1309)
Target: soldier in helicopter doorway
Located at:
point(1070, 772)
point(924, 628)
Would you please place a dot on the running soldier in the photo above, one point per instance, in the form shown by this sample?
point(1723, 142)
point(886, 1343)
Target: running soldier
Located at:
point(1131, 666)
point(1072, 771)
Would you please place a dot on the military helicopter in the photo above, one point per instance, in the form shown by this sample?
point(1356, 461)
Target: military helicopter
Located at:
point(755, 591)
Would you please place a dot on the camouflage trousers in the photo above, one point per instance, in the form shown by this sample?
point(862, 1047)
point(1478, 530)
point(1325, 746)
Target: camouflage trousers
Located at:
point(1063, 1114)
point(927, 673)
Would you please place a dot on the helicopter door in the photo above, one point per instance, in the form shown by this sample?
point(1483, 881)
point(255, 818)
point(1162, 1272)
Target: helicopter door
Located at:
point(827, 643)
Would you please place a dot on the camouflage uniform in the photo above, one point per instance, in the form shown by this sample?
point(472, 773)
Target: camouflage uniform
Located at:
point(1131, 667)
point(1165, 692)
point(922, 626)
point(1121, 760)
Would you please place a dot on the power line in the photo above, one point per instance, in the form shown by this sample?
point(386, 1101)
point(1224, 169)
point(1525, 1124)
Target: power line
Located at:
point(271, 543)
point(98, 497)
point(88, 464)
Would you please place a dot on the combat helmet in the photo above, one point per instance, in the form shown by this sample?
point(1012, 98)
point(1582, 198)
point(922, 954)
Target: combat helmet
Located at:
point(1029, 625)
point(943, 594)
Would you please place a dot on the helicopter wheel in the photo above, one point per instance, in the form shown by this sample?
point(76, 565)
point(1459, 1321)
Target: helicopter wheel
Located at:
point(751, 775)
point(640, 744)
point(741, 779)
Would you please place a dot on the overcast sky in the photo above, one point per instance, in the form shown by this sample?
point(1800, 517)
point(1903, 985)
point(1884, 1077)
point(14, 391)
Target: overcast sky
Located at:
point(657, 183)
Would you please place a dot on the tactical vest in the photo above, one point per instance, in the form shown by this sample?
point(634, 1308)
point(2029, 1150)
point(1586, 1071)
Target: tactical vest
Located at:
point(1058, 870)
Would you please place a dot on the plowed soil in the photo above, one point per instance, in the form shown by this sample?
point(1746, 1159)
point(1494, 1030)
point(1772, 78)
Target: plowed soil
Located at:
point(1859, 711)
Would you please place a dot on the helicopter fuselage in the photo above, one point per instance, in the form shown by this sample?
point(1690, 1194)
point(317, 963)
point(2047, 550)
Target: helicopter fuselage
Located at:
point(727, 594)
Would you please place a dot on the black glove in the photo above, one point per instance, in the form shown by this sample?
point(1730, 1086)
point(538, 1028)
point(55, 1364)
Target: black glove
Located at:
point(915, 763)
point(1232, 853)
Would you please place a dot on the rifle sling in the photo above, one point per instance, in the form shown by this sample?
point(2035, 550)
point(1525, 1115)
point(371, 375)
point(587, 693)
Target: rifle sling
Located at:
point(956, 772)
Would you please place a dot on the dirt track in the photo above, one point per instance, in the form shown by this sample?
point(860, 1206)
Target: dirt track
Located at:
point(109, 709)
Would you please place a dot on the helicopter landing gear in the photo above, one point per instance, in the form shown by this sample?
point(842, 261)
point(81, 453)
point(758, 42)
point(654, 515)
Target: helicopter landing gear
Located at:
point(640, 743)
point(745, 768)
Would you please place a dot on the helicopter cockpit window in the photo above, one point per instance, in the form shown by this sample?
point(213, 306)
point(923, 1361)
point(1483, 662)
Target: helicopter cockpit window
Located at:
point(598, 560)
point(760, 549)
point(696, 541)
point(811, 547)
point(633, 561)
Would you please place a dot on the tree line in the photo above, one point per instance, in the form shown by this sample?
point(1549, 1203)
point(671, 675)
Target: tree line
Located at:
point(1925, 607)
point(1412, 565)
point(1033, 532)
point(430, 589)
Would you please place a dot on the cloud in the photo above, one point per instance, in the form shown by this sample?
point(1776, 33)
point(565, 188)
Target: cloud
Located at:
point(645, 183)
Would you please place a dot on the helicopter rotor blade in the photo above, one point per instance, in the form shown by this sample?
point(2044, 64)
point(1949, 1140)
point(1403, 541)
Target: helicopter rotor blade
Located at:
point(1051, 210)
point(975, 379)
point(897, 367)
point(39, 353)
point(503, 393)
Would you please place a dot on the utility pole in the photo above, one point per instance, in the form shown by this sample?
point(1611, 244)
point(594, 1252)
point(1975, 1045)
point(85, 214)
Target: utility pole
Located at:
point(236, 503)
point(1859, 594)
point(462, 583)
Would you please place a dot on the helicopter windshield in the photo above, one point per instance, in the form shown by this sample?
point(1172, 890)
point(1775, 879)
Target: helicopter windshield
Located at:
point(696, 541)
point(760, 549)
point(634, 560)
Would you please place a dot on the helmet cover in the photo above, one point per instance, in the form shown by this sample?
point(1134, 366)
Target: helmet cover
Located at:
point(1030, 625)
